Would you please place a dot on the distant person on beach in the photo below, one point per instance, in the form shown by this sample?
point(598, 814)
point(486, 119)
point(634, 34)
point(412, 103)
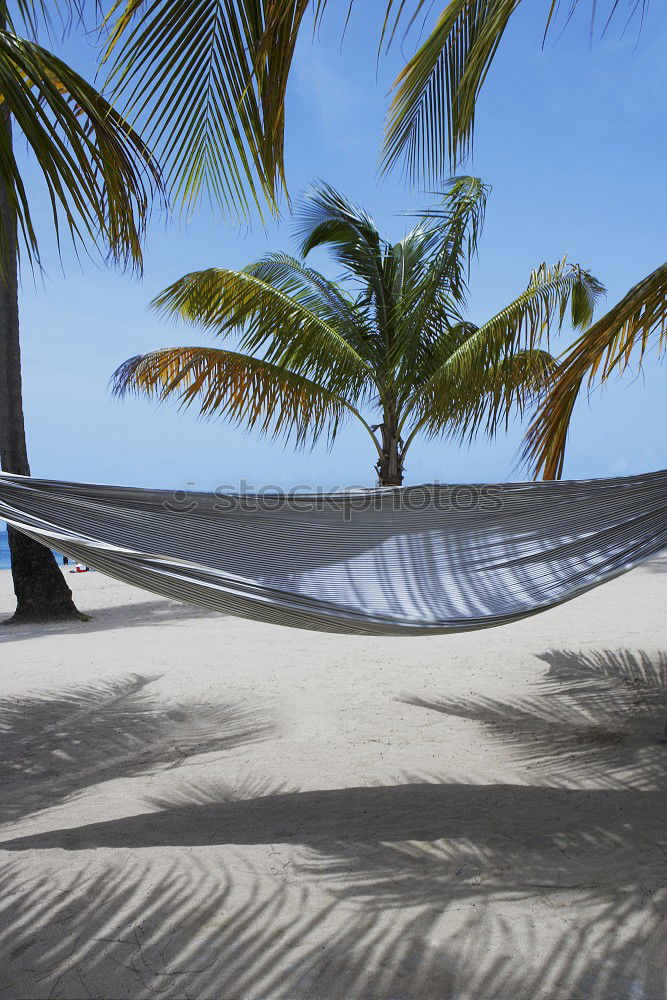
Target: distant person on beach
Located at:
point(65, 560)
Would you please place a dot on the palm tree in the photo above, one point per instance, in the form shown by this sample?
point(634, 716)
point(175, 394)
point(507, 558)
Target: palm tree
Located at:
point(431, 126)
point(99, 177)
point(392, 339)
point(193, 78)
point(233, 141)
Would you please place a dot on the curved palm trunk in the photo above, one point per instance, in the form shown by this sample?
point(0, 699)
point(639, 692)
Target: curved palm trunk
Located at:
point(390, 466)
point(41, 591)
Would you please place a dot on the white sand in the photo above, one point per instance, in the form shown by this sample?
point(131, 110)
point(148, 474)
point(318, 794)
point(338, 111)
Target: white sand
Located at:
point(198, 806)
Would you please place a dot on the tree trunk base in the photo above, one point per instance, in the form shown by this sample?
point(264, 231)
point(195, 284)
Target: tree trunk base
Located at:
point(46, 618)
point(42, 595)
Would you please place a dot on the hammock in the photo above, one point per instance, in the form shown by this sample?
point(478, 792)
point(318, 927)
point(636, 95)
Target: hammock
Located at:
point(420, 560)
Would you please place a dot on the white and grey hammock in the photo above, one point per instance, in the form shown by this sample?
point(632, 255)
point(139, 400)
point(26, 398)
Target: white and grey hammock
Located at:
point(420, 560)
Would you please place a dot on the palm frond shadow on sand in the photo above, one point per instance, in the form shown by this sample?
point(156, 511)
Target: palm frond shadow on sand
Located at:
point(451, 920)
point(599, 717)
point(418, 888)
point(198, 934)
point(56, 744)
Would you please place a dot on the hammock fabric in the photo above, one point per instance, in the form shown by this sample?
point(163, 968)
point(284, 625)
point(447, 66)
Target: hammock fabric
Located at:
point(419, 560)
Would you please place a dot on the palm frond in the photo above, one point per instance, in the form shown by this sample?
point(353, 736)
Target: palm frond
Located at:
point(487, 403)
point(437, 254)
point(275, 317)
point(524, 322)
point(458, 222)
point(251, 392)
point(432, 113)
point(452, 233)
point(610, 346)
point(99, 174)
point(206, 82)
point(33, 16)
point(327, 218)
point(325, 298)
point(431, 119)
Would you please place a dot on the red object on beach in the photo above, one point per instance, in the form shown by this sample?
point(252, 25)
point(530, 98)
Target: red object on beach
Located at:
point(80, 568)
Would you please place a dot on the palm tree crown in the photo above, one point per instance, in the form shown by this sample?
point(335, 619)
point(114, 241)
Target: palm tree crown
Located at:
point(392, 339)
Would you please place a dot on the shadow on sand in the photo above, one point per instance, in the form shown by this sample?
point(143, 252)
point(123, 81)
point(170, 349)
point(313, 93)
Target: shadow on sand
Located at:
point(599, 717)
point(180, 931)
point(416, 889)
point(423, 811)
point(137, 614)
point(56, 744)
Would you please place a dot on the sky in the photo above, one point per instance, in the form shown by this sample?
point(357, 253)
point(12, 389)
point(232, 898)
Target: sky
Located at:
point(571, 137)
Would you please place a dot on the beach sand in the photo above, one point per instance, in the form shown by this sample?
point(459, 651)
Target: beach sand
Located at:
point(202, 807)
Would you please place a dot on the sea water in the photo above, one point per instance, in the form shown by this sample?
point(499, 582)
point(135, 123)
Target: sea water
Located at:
point(4, 549)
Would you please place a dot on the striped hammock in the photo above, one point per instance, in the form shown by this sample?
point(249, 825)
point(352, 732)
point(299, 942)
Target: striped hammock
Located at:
point(420, 560)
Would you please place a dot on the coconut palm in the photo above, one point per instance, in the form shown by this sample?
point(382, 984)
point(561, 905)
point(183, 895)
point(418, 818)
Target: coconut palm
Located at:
point(390, 347)
point(193, 78)
point(99, 178)
point(431, 125)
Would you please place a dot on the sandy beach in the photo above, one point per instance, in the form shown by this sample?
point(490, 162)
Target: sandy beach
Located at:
point(204, 807)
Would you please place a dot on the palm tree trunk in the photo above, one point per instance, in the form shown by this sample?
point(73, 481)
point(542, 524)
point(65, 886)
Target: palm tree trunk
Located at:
point(390, 466)
point(41, 591)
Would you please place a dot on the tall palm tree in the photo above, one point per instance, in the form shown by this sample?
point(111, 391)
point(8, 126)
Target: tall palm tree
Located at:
point(99, 177)
point(392, 340)
point(431, 126)
point(192, 77)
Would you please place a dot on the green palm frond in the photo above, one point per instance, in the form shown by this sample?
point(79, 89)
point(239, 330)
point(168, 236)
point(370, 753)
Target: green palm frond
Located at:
point(328, 218)
point(432, 115)
point(431, 118)
point(526, 320)
point(325, 298)
point(250, 392)
point(52, 15)
point(458, 221)
point(276, 319)
point(618, 338)
point(456, 225)
point(434, 259)
point(99, 174)
point(486, 403)
point(206, 82)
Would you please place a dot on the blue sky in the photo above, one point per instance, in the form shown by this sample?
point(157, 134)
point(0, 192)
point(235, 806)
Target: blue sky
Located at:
point(572, 139)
